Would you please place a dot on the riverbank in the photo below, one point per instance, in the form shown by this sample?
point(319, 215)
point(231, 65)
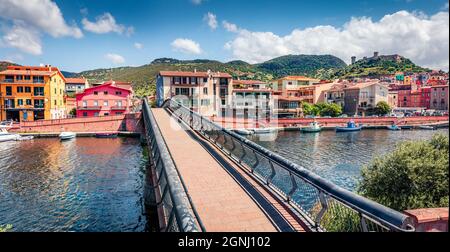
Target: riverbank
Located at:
point(331, 123)
point(80, 134)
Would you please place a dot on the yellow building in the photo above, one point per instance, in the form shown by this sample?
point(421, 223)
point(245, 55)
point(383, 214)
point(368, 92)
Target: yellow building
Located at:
point(30, 93)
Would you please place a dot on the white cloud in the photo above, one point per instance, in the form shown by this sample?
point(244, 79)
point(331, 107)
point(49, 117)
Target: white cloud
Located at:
point(115, 58)
point(197, 2)
point(229, 26)
point(211, 20)
point(84, 11)
point(25, 21)
point(106, 23)
point(138, 45)
point(186, 46)
point(425, 40)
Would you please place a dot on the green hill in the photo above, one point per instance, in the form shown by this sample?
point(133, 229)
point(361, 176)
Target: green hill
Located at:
point(143, 77)
point(377, 66)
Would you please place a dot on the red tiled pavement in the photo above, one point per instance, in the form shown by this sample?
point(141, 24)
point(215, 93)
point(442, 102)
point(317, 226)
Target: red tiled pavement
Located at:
point(221, 203)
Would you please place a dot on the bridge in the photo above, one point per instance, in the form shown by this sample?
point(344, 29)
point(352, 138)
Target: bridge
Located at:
point(205, 178)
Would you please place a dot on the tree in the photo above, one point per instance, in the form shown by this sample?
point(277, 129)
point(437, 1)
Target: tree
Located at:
point(310, 109)
point(73, 112)
point(382, 108)
point(331, 109)
point(5, 228)
point(414, 175)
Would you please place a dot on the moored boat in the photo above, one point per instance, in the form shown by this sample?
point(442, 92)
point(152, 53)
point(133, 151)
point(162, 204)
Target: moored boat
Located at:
point(312, 128)
point(264, 130)
point(243, 132)
point(427, 127)
point(107, 135)
point(393, 127)
point(351, 126)
point(67, 135)
point(24, 138)
point(406, 127)
point(5, 135)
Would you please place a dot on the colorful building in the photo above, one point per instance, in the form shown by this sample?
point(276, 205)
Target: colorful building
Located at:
point(208, 93)
point(363, 97)
point(75, 85)
point(29, 93)
point(252, 99)
point(104, 100)
point(439, 97)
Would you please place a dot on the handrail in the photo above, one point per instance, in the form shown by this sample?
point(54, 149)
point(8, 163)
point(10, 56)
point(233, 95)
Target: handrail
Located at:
point(174, 199)
point(326, 205)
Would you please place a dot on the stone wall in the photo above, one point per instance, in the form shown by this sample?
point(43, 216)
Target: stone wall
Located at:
point(430, 219)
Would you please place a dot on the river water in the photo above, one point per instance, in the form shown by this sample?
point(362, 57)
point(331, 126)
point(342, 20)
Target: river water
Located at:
point(338, 157)
point(84, 184)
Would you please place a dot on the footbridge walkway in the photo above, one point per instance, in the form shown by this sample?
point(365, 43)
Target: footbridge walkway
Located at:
point(207, 178)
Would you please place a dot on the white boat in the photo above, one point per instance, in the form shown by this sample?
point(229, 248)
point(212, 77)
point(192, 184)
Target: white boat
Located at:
point(5, 135)
point(427, 127)
point(314, 127)
point(24, 138)
point(243, 131)
point(67, 135)
point(264, 130)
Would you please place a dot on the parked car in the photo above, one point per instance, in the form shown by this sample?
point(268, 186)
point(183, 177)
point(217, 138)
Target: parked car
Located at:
point(343, 116)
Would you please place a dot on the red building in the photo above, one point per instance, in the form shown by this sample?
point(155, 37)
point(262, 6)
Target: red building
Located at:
point(110, 98)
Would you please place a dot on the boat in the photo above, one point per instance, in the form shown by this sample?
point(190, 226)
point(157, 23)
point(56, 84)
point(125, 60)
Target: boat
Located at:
point(351, 126)
point(5, 135)
point(312, 128)
point(406, 127)
point(107, 135)
point(245, 132)
point(393, 127)
point(24, 138)
point(264, 130)
point(67, 135)
point(427, 127)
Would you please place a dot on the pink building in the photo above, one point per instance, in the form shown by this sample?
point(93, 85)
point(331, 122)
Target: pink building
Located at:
point(110, 98)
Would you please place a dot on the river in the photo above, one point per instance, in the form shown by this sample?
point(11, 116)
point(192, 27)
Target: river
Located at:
point(84, 184)
point(338, 157)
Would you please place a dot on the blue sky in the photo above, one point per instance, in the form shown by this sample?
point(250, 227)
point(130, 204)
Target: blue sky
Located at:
point(89, 34)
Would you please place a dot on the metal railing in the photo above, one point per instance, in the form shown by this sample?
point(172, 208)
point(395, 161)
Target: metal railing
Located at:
point(178, 213)
point(322, 204)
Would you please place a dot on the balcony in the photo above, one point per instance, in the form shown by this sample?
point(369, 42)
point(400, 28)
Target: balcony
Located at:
point(89, 108)
point(118, 108)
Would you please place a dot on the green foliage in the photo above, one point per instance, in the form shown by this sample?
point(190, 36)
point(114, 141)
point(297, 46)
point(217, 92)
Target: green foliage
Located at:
point(382, 108)
point(73, 112)
point(414, 175)
point(5, 228)
point(321, 109)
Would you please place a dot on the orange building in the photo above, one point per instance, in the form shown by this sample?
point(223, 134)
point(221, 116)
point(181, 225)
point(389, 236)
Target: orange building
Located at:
point(29, 93)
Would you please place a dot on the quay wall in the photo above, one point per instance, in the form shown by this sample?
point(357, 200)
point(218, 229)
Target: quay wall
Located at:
point(429, 219)
point(330, 122)
point(126, 122)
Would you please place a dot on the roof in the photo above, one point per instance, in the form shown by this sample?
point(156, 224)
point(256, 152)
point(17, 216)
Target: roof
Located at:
point(193, 74)
point(104, 85)
point(248, 82)
point(120, 84)
point(252, 90)
point(32, 70)
point(299, 78)
point(362, 85)
point(75, 80)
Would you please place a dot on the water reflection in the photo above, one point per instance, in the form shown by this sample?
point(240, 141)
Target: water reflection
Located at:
point(339, 156)
point(85, 184)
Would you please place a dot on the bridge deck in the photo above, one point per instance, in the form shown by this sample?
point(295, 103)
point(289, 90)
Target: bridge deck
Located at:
point(222, 204)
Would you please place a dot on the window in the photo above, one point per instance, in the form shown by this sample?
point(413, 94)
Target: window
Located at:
point(96, 114)
point(95, 103)
point(205, 91)
point(38, 91)
point(119, 103)
point(204, 102)
point(105, 92)
point(19, 77)
point(106, 114)
point(39, 79)
point(119, 113)
point(20, 102)
point(223, 102)
point(28, 101)
point(27, 77)
point(39, 103)
point(19, 89)
point(27, 89)
point(205, 79)
point(118, 92)
point(85, 104)
point(84, 114)
point(54, 102)
point(95, 93)
point(105, 103)
point(8, 90)
point(55, 90)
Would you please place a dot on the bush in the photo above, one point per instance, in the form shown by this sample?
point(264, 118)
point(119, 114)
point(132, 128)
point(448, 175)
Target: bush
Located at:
point(382, 108)
point(6, 228)
point(414, 175)
point(322, 109)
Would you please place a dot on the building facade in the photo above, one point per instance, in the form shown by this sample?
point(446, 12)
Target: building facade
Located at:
point(439, 97)
point(208, 93)
point(363, 97)
point(75, 85)
point(104, 100)
point(29, 93)
point(251, 99)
